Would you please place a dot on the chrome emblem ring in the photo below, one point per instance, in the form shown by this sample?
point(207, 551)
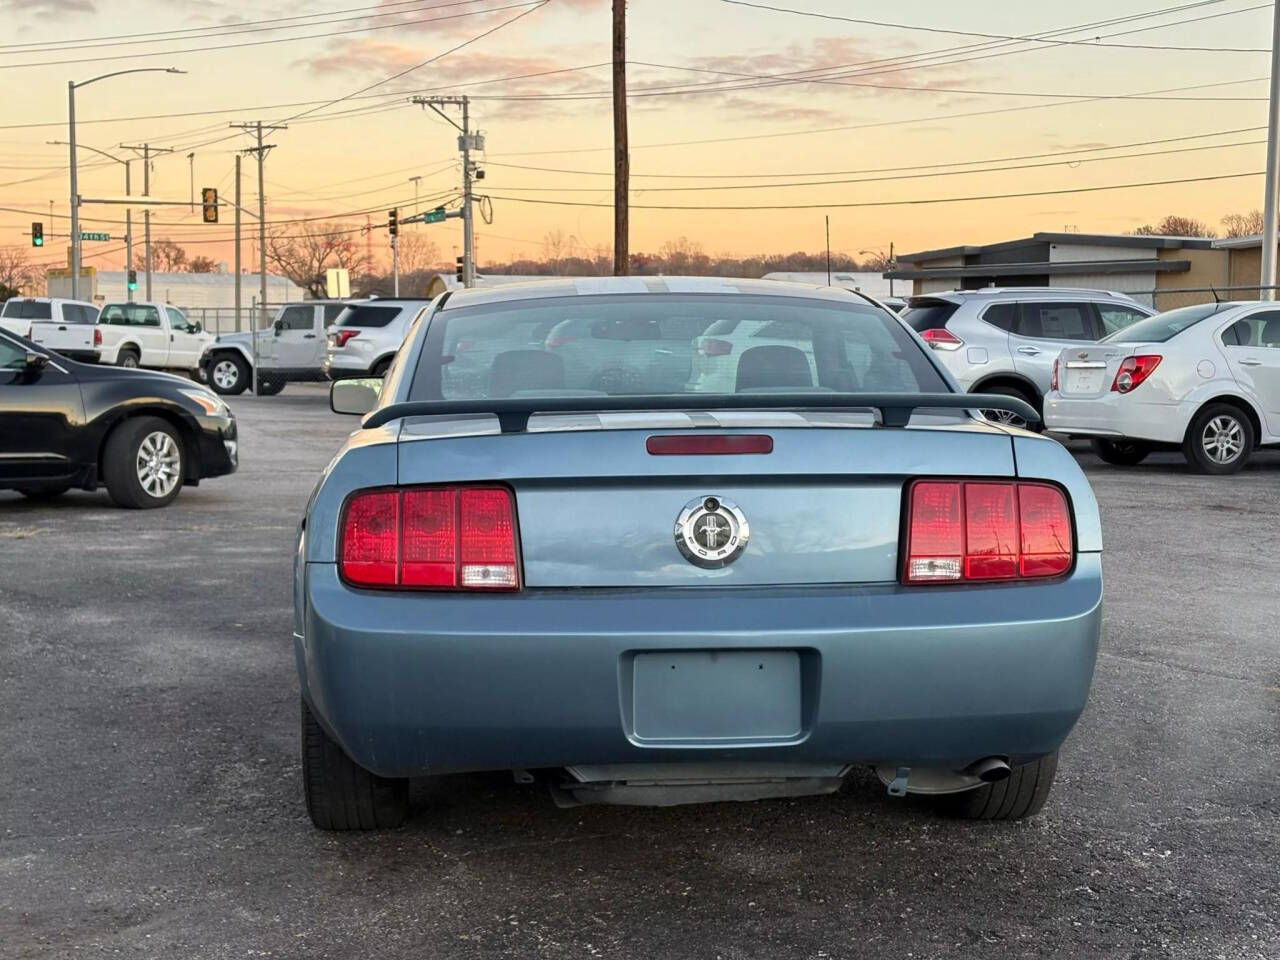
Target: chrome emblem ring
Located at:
point(711, 532)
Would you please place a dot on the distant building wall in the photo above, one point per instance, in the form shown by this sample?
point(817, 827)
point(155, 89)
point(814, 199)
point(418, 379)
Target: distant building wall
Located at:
point(179, 289)
point(1075, 252)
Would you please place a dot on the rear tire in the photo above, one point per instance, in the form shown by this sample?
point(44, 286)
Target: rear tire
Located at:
point(227, 374)
point(1019, 795)
point(46, 492)
point(144, 463)
point(342, 795)
point(380, 368)
point(1219, 440)
point(269, 385)
point(1121, 453)
point(129, 358)
point(1007, 418)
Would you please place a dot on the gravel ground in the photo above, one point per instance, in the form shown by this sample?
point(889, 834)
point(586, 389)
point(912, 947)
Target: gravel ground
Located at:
point(151, 804)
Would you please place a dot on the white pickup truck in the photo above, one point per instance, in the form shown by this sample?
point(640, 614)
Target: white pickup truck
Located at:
point(64, 326)
point(155, 335)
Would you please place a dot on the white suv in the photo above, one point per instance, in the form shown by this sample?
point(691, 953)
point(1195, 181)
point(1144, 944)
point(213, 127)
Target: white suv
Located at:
point(1005, 340)
point(366, 335)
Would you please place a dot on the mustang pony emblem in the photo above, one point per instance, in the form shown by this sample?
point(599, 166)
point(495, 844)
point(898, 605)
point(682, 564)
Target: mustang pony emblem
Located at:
point(711, 532)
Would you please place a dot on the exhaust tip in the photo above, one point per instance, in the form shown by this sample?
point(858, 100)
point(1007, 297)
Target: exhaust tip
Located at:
point(989, 769)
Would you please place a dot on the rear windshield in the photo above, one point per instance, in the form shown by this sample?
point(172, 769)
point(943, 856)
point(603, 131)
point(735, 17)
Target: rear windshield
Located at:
point(362, 316)
point(1163, 326)
point(925, 315)
point(27, 309)
point(665, 344)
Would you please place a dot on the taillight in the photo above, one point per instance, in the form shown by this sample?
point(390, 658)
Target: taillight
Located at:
point(341, 337)
point(423, 538)
point(940, 338)
point(715, 348)
point(97, 337)
point(555, 342)
point(1053, 381)
point(981, 530)
point(1133, 370)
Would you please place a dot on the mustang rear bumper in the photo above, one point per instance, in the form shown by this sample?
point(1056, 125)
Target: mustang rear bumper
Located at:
point(414, 683)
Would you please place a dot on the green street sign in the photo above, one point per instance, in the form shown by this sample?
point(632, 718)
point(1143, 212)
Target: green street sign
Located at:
point(434, 216)
point(95, 236)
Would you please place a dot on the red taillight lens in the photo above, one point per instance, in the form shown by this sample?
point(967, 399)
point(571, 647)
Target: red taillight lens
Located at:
point(965, 531)
point(341, 337)
point(97, 337)
point(715, 348)
point(554, 342)
point(1133, 370)
point(940, 338)
point(450, 538)
point(1053, 381)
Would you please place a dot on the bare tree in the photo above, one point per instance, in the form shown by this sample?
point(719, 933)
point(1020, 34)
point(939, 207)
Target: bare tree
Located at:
point(1242, 224)
point(1176, 226)
point(304, 251)
point(683, 256)
point(418, 254)
point(167, 256)
point(17, 273)
point(878, 262)
point(557, 247)
point(201, 264)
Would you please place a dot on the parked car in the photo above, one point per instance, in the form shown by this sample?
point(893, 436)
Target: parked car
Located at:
point(625, 354)
point(20, 313)
point(70, 330)
point(141, 434)
point(154, 335)
point(292, 349)
point(666, 595)
point(365, 336)
point(1203, 378)
point(1004, 340)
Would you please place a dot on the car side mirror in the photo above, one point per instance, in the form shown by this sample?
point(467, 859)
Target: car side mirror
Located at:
point(356, 397)
point(35, 362)
point(278, 327)
point(196, 327)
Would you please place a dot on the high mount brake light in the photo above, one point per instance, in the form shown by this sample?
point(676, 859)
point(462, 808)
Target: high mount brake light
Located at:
point(430, 538)
point(1133, 370)
point(940, 338)
point(342, 336)
point(962, 531)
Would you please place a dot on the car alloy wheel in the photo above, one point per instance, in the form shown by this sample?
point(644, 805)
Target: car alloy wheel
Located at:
point(129, 361)
point(1006, 417)
point(1223, 439)
point(159, 464)
point(226, 374)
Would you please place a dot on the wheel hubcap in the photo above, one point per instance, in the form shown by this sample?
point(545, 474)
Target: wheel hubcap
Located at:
point(129, 360)
point(1223, 439)
point(158, 464)
point(1007, 417)
point(225, 374)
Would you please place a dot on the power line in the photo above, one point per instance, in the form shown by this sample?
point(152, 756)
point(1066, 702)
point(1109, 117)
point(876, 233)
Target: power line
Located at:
point(897, 203)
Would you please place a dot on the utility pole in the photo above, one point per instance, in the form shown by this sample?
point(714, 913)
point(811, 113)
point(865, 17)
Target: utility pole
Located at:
point(1270, 217)
point(260, 151)
point(467, 141)
point(237, 258)
point(621, 157)
point(146, 150)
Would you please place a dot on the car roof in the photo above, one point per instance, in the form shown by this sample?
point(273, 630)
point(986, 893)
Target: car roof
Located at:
point(1015, 293)
point(600, 286)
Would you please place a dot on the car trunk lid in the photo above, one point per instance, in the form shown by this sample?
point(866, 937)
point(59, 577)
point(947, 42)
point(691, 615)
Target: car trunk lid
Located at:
point(1085, 372)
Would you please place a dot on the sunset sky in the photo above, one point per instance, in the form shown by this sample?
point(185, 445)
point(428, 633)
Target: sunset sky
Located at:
point(888, 107)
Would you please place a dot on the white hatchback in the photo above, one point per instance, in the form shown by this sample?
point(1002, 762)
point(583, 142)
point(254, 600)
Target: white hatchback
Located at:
point(1205, 378)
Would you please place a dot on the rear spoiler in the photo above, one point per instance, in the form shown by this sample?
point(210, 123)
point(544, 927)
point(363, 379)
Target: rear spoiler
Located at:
point(894, 409)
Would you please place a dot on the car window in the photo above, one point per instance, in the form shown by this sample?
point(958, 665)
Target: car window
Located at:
point(1256, 330)
point(177, 321)
point(130, 315)
point(926, 314)
point(28, 309)
point(1164, 326)
point(81, 313)
point(331, 312)
point(1115, 317)
point(1002, 315)
point(1056, 321)
point(11, 357)
point(360, 315)
point(297, 318)
point(612, 345)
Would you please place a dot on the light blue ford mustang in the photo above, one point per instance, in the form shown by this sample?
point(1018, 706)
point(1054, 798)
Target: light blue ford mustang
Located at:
point(662, 540)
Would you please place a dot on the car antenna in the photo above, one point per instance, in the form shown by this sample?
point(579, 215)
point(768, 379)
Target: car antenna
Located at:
point(1217, 300)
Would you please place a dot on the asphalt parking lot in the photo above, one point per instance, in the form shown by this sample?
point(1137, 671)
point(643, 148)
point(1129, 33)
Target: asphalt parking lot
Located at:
point(151, 803)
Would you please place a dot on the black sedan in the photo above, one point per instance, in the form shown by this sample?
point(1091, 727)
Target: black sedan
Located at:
point(140, 434)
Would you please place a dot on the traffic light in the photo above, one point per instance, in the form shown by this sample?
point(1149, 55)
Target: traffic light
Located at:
point(133, 280)
point(209, 201)
point(459, 272)
point(37, 233)
point(393, 222)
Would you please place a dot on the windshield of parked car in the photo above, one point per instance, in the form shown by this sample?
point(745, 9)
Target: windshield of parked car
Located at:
point(664, 344)
point(1163, 326)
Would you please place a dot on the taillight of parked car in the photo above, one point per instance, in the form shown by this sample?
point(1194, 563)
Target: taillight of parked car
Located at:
point(715, 348)
point(981, 530)
point(1053, 380)
point(97, 337)
point(430, 538)
point(341, 337)
point(1133, 370)
point(554, 343)
point(940, 338)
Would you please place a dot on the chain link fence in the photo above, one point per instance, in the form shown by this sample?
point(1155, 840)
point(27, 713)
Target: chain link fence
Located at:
point(1172, 299)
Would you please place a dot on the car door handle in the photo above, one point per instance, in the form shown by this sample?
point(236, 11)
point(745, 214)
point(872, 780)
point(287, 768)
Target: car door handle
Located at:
point(63, 329)
point(308, 336)
point(1250, 362)
point(1029, 351)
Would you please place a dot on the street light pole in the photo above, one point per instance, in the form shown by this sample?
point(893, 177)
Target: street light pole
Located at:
point(128, 192)
point(1270, 217)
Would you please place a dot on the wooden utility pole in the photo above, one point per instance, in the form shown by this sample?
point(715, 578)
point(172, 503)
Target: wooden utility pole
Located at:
point(621, 160)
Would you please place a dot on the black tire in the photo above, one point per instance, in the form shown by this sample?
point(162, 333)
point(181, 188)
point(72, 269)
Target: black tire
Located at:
point(1020, 795)
point(231, 370)
point(381, 367)
point(269, 385)
point(1215, 418)
point(1004, 416)
point(45, 492)
point(341, 795)
point(128, 357)
point(120, 463)
point(1121, 453)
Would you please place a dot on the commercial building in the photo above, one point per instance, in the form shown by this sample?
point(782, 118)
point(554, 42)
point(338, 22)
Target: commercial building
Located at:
point(185, 290)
